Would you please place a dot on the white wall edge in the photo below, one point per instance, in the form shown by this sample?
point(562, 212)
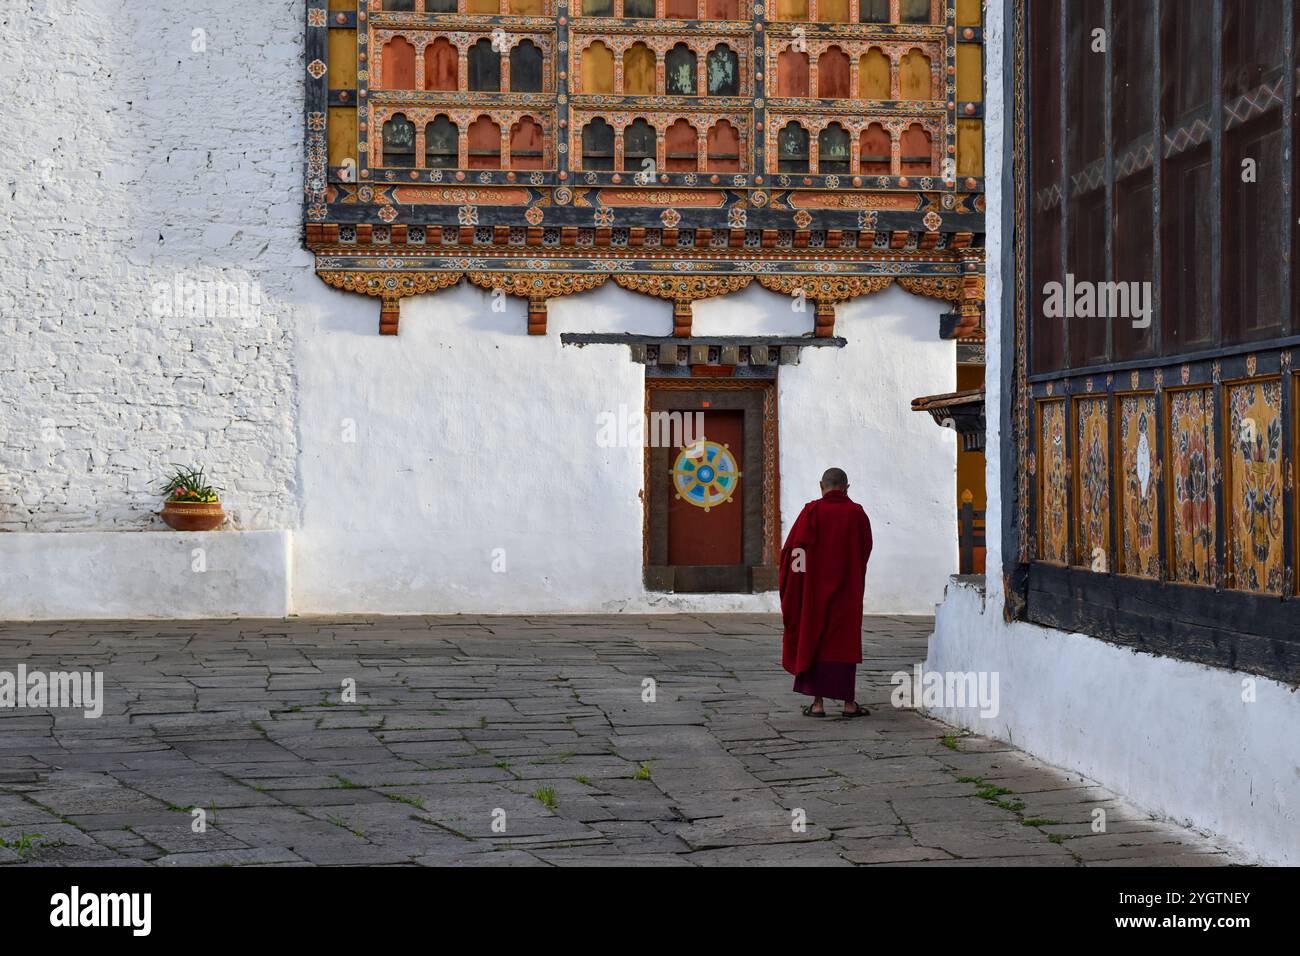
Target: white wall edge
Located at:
point(1176, 738)
point(144, 575)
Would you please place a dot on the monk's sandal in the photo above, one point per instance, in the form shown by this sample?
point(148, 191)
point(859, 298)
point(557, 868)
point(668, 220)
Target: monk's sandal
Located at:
point(809, 712)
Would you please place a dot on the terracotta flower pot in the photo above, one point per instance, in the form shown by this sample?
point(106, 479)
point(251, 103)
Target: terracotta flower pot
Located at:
point(193, 515)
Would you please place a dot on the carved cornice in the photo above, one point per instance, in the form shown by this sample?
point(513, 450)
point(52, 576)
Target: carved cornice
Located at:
point(537, 287)
point(825, 288)
point(683, 288)
point(936, 287)
point(390, 285)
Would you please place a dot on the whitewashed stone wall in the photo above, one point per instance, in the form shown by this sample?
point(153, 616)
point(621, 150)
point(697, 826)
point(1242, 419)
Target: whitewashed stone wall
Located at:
point(134, 162)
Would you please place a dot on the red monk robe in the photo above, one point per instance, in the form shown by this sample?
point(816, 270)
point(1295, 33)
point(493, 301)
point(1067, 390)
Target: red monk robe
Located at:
point(821, 605)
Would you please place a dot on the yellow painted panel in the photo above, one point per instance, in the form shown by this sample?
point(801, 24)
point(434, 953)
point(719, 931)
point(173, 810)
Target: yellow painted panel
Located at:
point(639, 71)
point(528, 8)
point(343, 60)
point(968, 13)
point(792, 9)
point(914, 79)
point(970, 70)
point(597, 69)
point(343, 4)
point(482, 6)
point(833, 11)
point(970, 147)
point(342, 134)
point(873, 75)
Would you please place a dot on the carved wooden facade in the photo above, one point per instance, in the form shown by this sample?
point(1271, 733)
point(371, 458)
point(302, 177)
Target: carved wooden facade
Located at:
point(680, 146)
point(1150, 488)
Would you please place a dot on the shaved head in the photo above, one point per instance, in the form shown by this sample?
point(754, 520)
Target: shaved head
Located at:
point(834, 478)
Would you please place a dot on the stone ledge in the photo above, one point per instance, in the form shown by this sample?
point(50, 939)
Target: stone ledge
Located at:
point(108, 575)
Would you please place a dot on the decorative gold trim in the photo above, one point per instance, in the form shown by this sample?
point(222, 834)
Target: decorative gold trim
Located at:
point(537, 287)
point(825, 288)
point(683, 288)
point(390, 285)
point(935, 287)
point(544, 285)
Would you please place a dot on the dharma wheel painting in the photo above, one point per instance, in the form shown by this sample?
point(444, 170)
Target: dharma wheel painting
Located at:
point(706, 474)
point(797, 141)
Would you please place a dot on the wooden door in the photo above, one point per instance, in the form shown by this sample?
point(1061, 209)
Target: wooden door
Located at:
point(705, 525)
point(711, 520)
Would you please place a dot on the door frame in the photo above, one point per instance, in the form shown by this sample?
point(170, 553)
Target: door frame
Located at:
point(760, 522)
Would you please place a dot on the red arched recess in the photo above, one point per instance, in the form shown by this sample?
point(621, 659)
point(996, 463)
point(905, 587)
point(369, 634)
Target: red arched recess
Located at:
point(526, 144)
point(833, 74)
point(792, 73)
point(441, 65)
point(723, 148)
point(874, 150)
point(681, 144)
point(682, 10)
point(484, 144)
point(914, 147)
point(399, 65)
point(722, 9)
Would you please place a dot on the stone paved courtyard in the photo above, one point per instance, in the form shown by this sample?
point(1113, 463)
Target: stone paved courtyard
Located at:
point(537, 724)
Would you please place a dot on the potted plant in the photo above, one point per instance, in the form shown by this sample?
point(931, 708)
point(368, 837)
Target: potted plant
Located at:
point(191, 503)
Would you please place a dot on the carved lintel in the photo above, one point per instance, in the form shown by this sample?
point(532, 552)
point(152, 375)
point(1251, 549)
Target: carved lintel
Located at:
point(682, 291)
point(537, 287)
point(390, 288)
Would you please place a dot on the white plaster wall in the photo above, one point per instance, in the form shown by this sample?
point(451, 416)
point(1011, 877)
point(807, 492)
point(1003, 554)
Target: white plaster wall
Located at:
point(131, 159)
point(476, 481)
point(851, 408)
point(1176, 738)
point(81, 575)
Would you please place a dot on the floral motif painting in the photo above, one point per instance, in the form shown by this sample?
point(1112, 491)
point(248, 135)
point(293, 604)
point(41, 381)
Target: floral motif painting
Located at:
point(1092, 522)
point(1254, 492)
point(1053, 533)
point(1192, 512)
point(1139, 551)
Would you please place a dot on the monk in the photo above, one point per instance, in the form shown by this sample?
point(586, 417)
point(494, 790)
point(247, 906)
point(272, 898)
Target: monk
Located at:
point(823, 574)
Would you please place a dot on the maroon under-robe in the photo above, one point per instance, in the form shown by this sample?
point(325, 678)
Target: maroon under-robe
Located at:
point(821, 606)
